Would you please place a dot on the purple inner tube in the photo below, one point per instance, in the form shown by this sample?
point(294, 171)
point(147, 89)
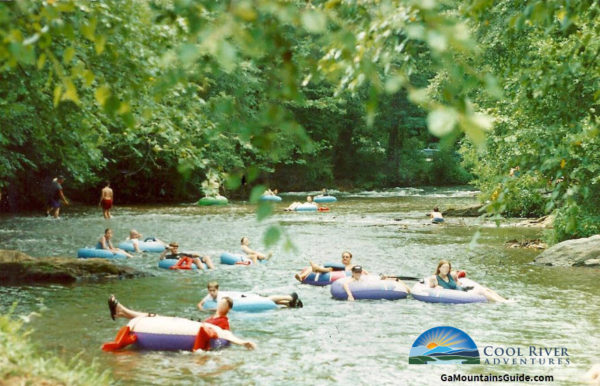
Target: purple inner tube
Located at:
point(369, 289)
point(169, 342)
point(424, 293)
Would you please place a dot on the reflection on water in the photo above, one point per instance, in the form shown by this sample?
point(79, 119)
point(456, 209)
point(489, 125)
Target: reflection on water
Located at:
point(327, 341)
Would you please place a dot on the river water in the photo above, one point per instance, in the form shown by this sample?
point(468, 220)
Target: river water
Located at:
point(327, 341)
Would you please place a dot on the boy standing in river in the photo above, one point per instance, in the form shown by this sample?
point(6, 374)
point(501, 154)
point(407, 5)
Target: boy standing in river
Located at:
point(106, 200)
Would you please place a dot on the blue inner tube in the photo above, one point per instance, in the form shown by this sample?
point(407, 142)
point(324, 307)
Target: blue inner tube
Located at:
point(306, 207)
point(145, 246)
point(270, 198)
point(324, 199)
point(168, 263)
point(88, 253)
point(323, 279)
point(231, 259)
point(424, 293)
point(371, 288)
point(243, 302)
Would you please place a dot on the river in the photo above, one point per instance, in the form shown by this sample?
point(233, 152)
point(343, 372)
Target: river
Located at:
point(327, 341)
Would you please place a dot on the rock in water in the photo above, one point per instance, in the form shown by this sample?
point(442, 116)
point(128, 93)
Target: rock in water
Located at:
point(19, 268)
point(572, 253)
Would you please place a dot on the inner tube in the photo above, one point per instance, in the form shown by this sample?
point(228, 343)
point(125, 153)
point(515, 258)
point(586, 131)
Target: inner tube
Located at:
point(87, 253)
point(172, 263)
point(324, 199)
point(212, 200)
point(270, 198)
point(231, 259)
point(326, 278)
point(243, 302)
point(323, 279)
point(144, 246)
point(369, 288)
point(424, 293)
point(167, 334)
point(306, 207)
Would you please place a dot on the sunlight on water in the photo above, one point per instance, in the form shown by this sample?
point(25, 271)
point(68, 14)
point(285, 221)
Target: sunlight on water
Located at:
point(327, 341)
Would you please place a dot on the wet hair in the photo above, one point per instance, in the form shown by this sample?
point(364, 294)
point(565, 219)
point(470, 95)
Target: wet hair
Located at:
point(442, 262)
point(106, 230)
point(348, 252)
point(229, 301)
point(436, 209)
point(357, 268)
point(212, 284)
point(242, 240)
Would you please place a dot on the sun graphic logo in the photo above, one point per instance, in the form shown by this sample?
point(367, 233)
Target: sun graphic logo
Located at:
point(444, 345)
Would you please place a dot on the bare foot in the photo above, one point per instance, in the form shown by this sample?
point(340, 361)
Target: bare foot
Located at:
point(297, 277)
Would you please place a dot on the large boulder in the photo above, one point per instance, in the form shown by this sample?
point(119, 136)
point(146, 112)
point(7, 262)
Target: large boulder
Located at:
point(573, 253)
point(470, 211)
point(18, 268)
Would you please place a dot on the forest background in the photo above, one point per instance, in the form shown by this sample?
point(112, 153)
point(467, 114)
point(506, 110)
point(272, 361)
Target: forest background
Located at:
point(168, 99)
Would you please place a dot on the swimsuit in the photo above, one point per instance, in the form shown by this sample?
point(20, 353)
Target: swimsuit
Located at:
point(106, 203)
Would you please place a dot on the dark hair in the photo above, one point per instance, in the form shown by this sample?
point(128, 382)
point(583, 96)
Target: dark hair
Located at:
point(60, 177)
point(106, 230)
point(242, 240)
point(212, 284)
point(436, 209)
point(357, 268)
point(229, 301)
point(107, 182)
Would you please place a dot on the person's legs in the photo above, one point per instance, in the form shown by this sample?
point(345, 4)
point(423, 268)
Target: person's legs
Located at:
point(319, 269)
point(291, 301)
point(120, 311)
point(283, 300)
point(489, 294)
point(208, 261)
point(124, 252)
point(198, 263)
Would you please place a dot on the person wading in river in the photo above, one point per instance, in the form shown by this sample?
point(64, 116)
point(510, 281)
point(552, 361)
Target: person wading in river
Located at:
point(106, 200)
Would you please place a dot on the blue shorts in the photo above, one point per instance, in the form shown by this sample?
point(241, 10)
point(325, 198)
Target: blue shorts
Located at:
point(437, 220)
point(54, 203)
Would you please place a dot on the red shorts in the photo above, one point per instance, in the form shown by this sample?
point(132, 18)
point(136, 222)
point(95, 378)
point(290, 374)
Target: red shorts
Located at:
point(106, 203)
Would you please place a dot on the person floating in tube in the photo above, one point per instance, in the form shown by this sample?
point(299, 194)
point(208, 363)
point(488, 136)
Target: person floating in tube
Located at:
point(171, 252)
point(346, 261)
point(106, 243)
point(291, 301)
point(219, 319)
point(294, 205)
point(135, 237)
point(445, 278)
point(253, 255)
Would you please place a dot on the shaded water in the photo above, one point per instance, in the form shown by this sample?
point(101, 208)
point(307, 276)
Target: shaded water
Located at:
point(327, 341)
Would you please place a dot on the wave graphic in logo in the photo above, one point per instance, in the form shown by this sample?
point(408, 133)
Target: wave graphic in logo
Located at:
point(444, 345)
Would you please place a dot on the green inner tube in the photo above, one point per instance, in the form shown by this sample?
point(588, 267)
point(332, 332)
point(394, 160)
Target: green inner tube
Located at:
point(218, 200)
